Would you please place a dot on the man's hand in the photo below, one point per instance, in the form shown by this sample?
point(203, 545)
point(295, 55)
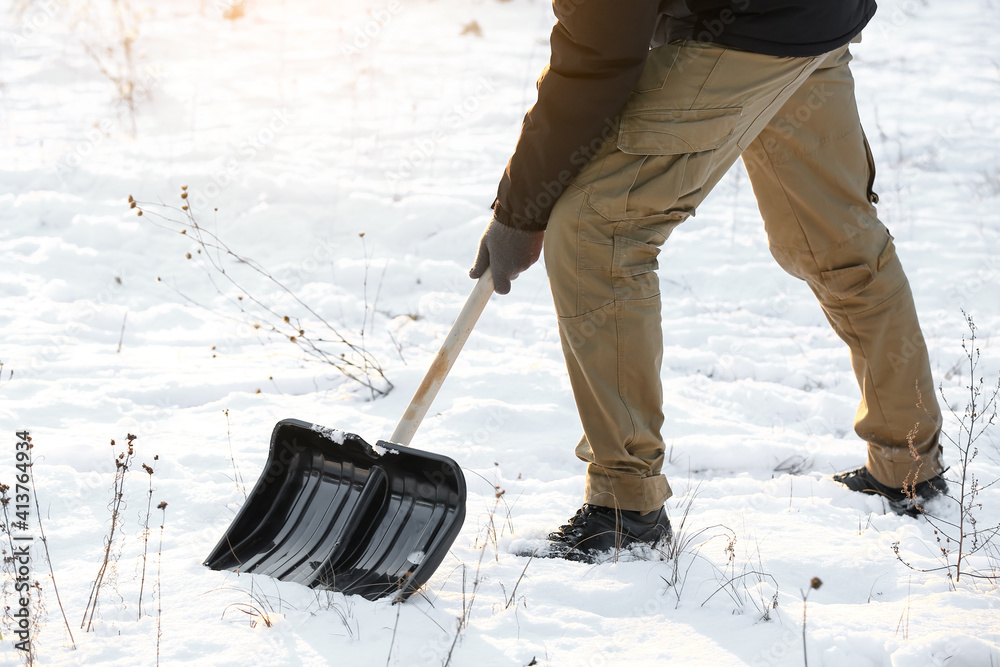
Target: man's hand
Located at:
point(509, 251)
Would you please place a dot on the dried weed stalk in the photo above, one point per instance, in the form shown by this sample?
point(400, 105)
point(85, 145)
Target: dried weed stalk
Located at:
point(159, 591)
point(123, 462)
point(45, 546)
point(145, 530)
point(310, 332)
point(958, 540)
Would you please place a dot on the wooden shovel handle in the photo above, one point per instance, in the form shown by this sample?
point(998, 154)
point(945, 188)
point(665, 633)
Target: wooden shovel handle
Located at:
point(445, 359)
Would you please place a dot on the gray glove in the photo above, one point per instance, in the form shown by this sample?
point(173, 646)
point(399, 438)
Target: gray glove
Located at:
point(509, 251)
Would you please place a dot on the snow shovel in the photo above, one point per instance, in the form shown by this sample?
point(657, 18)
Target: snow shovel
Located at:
point(332, 511)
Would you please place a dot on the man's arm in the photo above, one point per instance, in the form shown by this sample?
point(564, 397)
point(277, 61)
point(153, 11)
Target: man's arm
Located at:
point(599, 48)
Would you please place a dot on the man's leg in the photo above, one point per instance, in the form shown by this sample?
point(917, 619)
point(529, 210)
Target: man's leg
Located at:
point(695, 109)
point(812, 172)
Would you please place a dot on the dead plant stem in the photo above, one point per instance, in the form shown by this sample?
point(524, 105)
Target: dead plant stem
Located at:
point(48, 558)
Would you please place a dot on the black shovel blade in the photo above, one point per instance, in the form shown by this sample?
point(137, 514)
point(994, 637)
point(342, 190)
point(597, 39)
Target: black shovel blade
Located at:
point(331, 511)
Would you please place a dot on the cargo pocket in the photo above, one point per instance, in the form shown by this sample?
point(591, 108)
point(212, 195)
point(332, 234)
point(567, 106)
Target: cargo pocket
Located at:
point(847, 282)
point(634, 264)
point(676, 131)
point(633, 258)
point(672, 156)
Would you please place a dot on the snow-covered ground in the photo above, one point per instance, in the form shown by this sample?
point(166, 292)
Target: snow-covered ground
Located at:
point(352, 149)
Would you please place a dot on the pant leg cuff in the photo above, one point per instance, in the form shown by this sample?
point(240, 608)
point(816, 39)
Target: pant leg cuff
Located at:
point(896, 466)
point(626, 492)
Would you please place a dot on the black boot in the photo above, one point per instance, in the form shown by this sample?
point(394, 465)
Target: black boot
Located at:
point(594, 530)
point(908, 500)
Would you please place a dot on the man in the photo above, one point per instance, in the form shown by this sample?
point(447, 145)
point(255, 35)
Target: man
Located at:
point(643, 108)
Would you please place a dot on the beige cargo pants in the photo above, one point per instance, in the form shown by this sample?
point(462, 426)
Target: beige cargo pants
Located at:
point(695, 110)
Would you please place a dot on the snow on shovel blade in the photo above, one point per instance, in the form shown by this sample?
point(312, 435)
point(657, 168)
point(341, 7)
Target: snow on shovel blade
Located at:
point(331, 511)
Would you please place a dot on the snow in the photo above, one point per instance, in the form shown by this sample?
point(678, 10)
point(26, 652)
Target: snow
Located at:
point(334, 435)
point(308, 124)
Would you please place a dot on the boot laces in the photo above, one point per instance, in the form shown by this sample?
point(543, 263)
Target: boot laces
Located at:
point(577, 521)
